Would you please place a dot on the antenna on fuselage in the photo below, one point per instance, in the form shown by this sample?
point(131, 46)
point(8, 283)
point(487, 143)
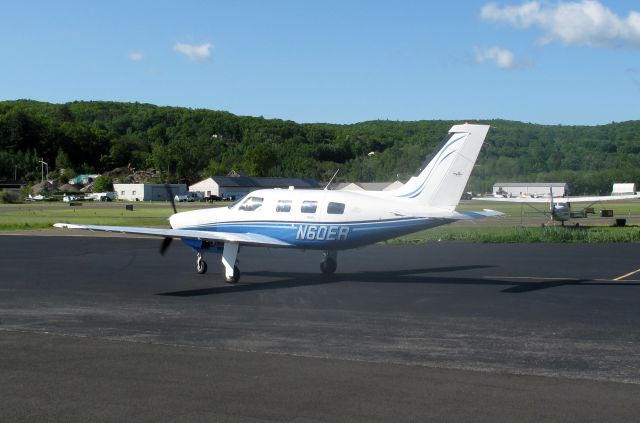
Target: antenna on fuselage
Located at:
point(331, 180)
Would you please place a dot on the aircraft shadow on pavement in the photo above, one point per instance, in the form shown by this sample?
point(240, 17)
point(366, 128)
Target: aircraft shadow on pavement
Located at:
point(283, 280)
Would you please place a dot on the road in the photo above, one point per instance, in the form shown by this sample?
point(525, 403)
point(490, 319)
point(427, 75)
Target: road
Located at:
point(105, 328)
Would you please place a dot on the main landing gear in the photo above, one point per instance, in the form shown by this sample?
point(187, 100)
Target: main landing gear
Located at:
point(230, 262)
point(329, 264)
point(231, 273)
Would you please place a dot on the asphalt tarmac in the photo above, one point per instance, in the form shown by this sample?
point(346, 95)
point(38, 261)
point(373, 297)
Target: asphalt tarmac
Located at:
point(104, 329)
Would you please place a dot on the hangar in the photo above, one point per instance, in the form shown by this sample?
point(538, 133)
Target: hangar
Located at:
point(148, 192)
point(624, 189)
point(530, 189)
point(239, 186)
point(367, 186)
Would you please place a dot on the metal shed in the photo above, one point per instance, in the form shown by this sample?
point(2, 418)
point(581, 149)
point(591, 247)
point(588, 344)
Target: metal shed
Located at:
point(530, 189)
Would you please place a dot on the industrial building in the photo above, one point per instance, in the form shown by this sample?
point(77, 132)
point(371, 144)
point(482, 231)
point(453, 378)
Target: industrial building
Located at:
point(530, 189)
point(148, 192)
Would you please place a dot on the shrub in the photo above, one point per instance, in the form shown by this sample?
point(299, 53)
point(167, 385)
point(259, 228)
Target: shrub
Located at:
point(9, 197)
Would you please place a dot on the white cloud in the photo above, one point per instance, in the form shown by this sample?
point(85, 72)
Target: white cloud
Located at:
point(136, 56)
point(586, 22)
point(519, 16)
point(194, 52)
point(502, 57)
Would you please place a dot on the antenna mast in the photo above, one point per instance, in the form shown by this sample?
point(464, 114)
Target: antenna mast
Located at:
point(331, 180)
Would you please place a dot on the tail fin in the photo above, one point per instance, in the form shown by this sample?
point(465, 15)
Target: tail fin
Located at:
point(442, 181)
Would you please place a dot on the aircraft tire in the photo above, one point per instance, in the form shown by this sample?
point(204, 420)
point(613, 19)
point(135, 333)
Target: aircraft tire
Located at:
point(201, 267)
point(328, 266)
point(235, 278)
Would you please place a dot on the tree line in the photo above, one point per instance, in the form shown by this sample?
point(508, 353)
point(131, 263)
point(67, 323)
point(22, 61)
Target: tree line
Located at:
point(184, 144)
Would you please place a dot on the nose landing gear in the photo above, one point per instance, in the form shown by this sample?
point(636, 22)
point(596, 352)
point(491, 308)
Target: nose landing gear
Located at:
point(201, 265)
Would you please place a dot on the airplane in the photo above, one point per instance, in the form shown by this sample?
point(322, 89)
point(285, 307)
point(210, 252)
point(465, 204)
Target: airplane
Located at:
point(38, 197)
point(559, 207)
point(327, 220)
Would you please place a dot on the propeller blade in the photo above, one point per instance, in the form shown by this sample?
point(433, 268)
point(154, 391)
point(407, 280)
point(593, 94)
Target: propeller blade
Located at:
point(165, 244)
point(170, 195)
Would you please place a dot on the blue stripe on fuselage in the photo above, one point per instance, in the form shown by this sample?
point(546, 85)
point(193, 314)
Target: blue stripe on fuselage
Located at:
point(328, 235)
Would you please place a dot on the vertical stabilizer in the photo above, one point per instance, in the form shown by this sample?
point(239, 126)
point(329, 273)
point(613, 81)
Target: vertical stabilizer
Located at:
point(442, 181)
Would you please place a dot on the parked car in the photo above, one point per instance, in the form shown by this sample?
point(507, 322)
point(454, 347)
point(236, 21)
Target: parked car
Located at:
point(101, 196)
point(189, 196)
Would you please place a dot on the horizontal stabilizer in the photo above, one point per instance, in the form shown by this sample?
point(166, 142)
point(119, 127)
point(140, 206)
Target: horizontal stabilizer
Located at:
point(471, 215)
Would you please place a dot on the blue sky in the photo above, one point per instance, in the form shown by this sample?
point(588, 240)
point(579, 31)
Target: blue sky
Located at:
point(567, 62)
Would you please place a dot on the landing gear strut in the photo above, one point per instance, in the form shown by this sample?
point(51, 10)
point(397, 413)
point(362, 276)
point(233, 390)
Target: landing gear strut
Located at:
point(229, 256)
point(329, 264)
point(233, 278)
point(201, 265)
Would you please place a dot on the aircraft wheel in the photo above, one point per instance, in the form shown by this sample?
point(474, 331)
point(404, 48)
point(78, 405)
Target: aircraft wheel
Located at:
point(201, 266)
point(235, 278)
point(328, 266)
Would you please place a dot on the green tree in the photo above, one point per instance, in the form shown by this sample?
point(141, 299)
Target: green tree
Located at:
point(103, 184)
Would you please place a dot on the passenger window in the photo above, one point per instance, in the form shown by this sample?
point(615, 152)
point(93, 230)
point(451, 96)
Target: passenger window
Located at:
point(309, 206)
point(252, 203)
point(284, 206)
point(335, 208)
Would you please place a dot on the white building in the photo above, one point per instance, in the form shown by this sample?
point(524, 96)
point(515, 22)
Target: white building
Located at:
point(530, 189)
point(148, 192)
point(367, 186)
point(239, 186)
point(624, 189)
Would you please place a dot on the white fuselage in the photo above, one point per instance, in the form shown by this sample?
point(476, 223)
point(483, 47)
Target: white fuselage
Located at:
point(560, 212)
point(317, 219)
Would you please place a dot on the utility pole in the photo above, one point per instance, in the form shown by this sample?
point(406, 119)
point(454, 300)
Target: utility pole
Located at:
point(42, 165)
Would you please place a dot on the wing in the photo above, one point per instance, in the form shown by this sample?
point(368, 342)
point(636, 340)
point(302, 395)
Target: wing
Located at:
point(597, 199)
point(246, 238)
point(513, 199)
point(593, 199)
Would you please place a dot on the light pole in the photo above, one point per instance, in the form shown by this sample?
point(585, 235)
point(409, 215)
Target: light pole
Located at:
point(42, 165)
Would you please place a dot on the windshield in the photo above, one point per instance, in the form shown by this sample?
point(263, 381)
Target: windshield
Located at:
point(251, 204)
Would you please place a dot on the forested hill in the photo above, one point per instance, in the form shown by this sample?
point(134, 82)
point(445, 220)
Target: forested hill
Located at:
point(187, 144)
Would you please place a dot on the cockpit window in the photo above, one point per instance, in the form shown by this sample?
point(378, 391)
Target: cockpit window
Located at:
point(284, 206)
point(335, 208)
point(309, 207)
point(252, 203)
